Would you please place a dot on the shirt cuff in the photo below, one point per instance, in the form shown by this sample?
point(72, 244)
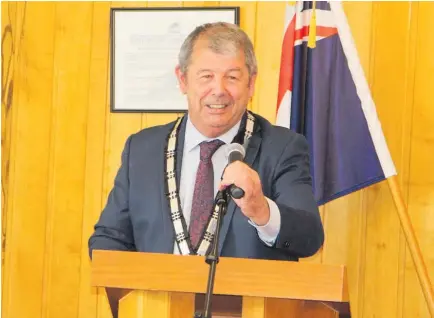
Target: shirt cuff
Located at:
point(268, 233)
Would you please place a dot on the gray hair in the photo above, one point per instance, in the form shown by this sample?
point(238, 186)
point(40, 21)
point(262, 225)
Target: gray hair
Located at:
point(222, 38)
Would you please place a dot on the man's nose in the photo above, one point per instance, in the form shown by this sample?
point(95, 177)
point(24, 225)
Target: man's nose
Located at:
point(219, 86)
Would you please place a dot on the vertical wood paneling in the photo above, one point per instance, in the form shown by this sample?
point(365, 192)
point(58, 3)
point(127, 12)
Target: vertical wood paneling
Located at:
point(98, 107)
point(29, 157)
point(405, 168)
point(187, 4)
point(8, 15)
point(60, 118)
point(336, 223)
point(421, 181)
point(67, 164)
point(118, 127)
point(268, 44)
point(383, 231)
point(10, 49)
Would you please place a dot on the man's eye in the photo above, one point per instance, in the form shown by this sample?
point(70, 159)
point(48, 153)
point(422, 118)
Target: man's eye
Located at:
point(207, 76)
point(233, 78)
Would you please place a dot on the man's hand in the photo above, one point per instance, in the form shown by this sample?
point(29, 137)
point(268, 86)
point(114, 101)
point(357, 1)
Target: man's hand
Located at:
point(254, 205)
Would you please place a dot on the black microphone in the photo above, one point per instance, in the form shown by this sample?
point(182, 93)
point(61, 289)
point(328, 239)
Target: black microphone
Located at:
point(235, 152)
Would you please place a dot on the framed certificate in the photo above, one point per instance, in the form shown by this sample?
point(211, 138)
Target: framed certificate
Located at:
point(145, 43)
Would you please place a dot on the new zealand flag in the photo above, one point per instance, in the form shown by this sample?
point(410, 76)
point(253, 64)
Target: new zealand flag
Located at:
point(324, 95)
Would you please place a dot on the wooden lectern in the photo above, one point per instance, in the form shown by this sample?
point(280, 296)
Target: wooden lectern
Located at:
point(164, 285)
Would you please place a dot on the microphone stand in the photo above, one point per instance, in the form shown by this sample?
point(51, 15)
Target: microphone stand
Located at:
point(213, 258)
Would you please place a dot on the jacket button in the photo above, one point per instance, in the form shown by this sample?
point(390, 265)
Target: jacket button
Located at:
point(286, 244)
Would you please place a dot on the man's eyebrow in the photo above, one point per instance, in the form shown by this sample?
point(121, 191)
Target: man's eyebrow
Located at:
point(203, 71)
point(237, 69)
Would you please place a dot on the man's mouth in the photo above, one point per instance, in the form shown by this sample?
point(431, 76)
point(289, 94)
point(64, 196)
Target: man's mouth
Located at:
point(216, 106)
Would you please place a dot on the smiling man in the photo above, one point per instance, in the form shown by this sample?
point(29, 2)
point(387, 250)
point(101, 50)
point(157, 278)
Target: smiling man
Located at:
point(217, 79)
point(163, 195)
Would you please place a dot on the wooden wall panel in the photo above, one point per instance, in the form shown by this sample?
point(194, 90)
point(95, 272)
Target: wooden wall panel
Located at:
point(59, 116)
point(421, 180)
point(68, 158)
point(29, 159)
point(268, 39)
point(389, 55)
point(118, 126)
point(98, 107)
point(7, 68)
point(8, 62)
point(406, 145)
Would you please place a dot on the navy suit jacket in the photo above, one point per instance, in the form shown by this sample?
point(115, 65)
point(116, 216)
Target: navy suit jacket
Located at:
point(137, 215)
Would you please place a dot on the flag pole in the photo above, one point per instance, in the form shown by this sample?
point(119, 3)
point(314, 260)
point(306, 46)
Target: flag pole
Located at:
point(413, 245)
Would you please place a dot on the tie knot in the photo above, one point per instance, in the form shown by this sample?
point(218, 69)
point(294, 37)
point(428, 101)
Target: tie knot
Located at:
point(208, 148)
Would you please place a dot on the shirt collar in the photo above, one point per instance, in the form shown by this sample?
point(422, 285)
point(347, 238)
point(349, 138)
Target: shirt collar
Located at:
point(193, 137)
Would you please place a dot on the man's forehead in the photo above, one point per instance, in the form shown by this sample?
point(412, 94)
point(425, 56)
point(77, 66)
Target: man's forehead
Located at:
point(205, 55)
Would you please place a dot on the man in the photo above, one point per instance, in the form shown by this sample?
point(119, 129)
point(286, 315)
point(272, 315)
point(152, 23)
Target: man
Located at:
point(162, 199)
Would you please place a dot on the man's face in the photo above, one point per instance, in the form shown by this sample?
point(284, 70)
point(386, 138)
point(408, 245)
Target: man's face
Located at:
point(218, 89)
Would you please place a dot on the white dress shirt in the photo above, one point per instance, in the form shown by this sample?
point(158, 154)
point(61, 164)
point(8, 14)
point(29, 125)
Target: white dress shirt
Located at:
point(190, 162)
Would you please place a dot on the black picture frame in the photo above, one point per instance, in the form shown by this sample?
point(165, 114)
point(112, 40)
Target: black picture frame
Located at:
point(129, 15)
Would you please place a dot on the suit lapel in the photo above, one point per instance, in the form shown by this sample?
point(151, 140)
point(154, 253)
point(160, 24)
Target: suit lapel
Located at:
point(251, 154)
point(180, 151)
point(168, 225)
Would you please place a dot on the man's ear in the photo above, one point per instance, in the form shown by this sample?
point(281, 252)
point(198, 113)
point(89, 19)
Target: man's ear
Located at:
point(182, 79)
point(252, 82)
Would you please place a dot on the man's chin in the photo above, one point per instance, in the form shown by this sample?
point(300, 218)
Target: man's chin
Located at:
point(216, 129)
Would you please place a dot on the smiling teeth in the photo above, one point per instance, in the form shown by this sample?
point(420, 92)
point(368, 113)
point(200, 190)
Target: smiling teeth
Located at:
point(217, 106)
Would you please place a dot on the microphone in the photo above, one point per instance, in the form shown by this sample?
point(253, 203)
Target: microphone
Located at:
point(235, 152)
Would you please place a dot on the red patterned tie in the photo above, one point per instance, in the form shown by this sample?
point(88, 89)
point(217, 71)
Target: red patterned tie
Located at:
point(203, 197)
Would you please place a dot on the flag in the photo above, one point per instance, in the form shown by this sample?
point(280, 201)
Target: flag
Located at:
point(324, 95)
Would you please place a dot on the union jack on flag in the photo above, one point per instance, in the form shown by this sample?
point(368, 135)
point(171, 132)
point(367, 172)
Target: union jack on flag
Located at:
point(324, 95)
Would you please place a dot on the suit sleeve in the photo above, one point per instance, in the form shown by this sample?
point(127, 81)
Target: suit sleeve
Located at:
point(113, 231)
point(301, 232)
point(268, 232)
